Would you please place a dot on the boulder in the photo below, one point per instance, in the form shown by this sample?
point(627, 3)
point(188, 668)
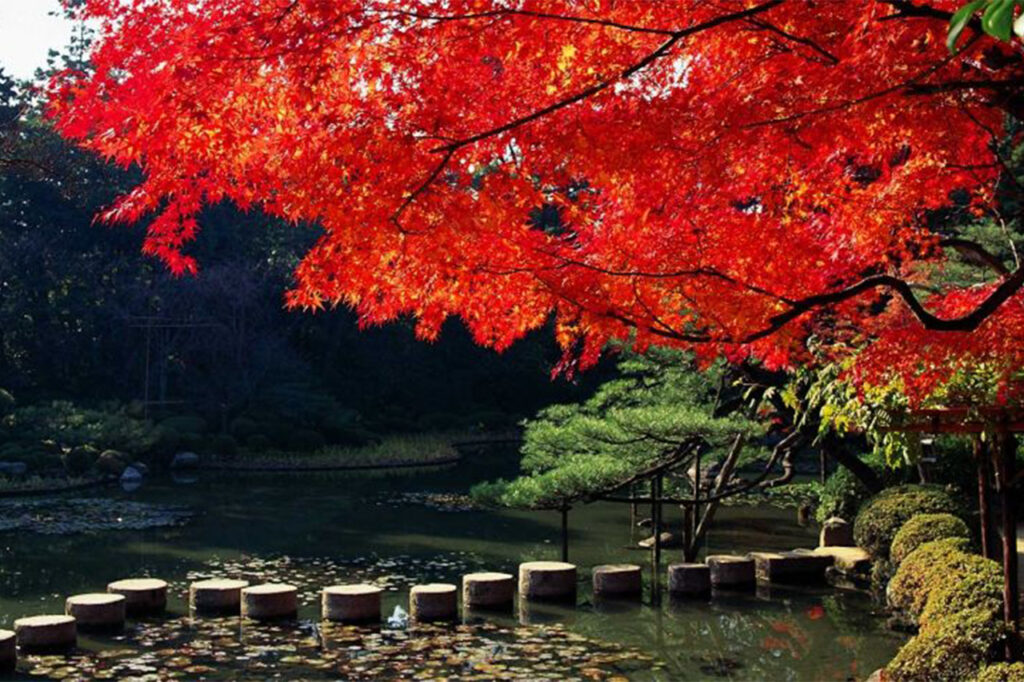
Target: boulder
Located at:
point(112, 462)
point(836, 532)
point(185, 460)
point(131, 474)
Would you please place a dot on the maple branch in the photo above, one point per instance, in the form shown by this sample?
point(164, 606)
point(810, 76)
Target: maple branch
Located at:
point(975, 253)
point(796, 39)
point(533, 14)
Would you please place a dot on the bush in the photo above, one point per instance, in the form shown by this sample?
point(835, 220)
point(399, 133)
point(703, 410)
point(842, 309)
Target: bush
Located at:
point(1001, 672)
point(258, 443)
point(925, 528)
point(185, 424)
point(305, 440)
point(113, 462)
point(884, 514)
point(925, 569)
point(224, 445)
point(977, 586)
point(80, 459)
point(951, 649)
point(841, 496)
point(7, 403)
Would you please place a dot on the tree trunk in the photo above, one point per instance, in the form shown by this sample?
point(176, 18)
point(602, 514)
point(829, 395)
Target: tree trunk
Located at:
point(854, 464)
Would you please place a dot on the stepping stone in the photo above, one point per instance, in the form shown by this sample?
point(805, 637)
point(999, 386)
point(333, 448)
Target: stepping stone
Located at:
point(488, 590)
point(689, 580)
point(790, 567)
point(270, 601)
point(216, 596)
point(836, 532)
point(729, 571)
point(351, 603)
point(435, 601)
point(551, 580)
point(617, 580)
point(845, 559)
point(46, 633)
point(143, 596)
point(97, 611)
point(8, 651)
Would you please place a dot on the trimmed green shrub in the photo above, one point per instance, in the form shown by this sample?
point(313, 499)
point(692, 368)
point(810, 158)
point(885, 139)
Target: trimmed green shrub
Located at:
point(924, 570)
point(925, 528)
point(305, 440)
point(951, 649)
point(243, 427)
point(224, 445)
point(1001, 672)
point(80, 459)
point(841, 496)
point(881, 517)
point(185, 424)
point(977, 586)
point(258, 443)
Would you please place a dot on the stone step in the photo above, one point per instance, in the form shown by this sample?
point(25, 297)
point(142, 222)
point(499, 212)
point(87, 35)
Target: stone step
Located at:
point(433, 602)
point(270, 601)
point(45, 634)
point(551, 580)
point(98, 611)
point(689, 580)
point(217, 596)
point(617, 580)
point(844, 559)
point(790, 567)
point(729, 571)
point(143, 596)
point(8, 651)
point(488, 590)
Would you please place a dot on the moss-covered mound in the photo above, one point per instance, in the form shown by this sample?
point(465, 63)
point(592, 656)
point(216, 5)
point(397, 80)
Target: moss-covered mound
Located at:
point(1001, 672)
point(926, 528)
point(882, 516)
point(952, 649)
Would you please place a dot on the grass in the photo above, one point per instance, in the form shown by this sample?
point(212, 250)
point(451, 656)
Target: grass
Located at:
point(404, 450)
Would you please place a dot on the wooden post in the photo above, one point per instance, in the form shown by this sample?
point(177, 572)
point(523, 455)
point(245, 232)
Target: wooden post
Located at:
point(1007, 455)
point(565, 534)
point(981, 460)
point(656, 546)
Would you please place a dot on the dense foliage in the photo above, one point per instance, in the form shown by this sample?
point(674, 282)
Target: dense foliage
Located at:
point(881, 517)
point(482, 161)
point(925, 528)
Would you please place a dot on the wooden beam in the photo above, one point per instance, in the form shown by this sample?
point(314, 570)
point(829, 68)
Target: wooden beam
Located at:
point(981, 457)
point(1007, 455)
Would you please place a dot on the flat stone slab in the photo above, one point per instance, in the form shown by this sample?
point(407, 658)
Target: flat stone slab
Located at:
point(143, 596)
point(351, 603)
point(46, 633)
point(270, 601)
point(488, 590)
point(689, 580)
point(845, 559)
point(552, 580)
point(617, 580)
point(434, 601)
point(218, 596)
point(99, 610)
point(729, 571)
point(790, 567)
point(8, 650)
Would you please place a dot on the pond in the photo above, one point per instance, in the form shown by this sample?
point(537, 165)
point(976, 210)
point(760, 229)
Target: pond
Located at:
point(316, 529)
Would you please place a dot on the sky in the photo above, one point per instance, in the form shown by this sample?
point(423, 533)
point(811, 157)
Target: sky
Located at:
point(27, 32)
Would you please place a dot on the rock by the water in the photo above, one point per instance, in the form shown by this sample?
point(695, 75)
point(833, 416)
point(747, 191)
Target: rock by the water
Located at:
point(270, 601)
point(435, 601)
point(185, 460)
point(617, 580)
point(351, 603)
point(131, 474)
point(836, 532)
point(13, 468)
point(143, 596)
point(218, 596)
point(668, 541)
point(488, 590)
point(46, 633)
point(689, 580)
point(732, 572)
point(97, 611)
point(112, 462)
point(554, 580)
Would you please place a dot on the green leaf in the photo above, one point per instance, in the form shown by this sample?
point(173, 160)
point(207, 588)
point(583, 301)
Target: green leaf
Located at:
point(959, 22)
point(998, 19)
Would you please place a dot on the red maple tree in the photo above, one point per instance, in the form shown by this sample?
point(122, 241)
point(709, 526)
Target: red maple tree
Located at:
point(732, 176)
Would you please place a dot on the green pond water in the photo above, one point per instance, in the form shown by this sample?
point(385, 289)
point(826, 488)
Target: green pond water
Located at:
point(317, 529)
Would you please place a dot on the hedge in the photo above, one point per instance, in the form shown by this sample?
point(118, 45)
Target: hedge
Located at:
point(882, 516)
point(926, 528)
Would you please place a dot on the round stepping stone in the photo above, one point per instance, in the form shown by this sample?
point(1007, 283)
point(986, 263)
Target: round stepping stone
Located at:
point(142, 596)
point(46, 633)
point(270, 601)
point(488, 590)
point(731, 572)
point(689, 580)
point(8, 651)
point(617, 580)
point(98, 611)
point(351, 603)
point(435, 601)
point(552, 580)
point(216, 596)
